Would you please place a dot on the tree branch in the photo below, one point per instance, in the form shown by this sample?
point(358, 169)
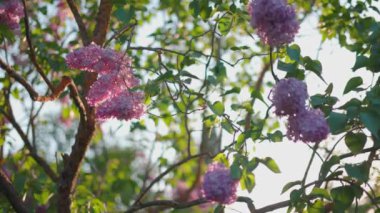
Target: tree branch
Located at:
point(178, 205)
point(273, 207)
point(10, 193)
point(78, 19)
point(102, 21)
point(86, 127)
point(66, 81)
point(167, 203)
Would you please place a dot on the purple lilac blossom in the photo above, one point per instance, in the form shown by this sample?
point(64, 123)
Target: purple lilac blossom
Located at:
point(218, 185)
point(126, 105)
point(275, 21)
point(11, 11)
point(289, 96)
point(308, 125)
point(110, 94)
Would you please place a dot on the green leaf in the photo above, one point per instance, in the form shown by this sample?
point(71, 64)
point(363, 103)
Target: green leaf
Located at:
point(352, 84)
point(220, 72)
point(221, 158)
point(240, 140)
point(200, 8)
point(326, 166)
point(313, 65)
point(233, 90)
point(290, 185)
point(286, 66)
point(355, 141)
point(337, 122)
point(217, 107)
point(317, 207)
point(248, 182)
point(371, 121)
point(195, 8)
point(252, 164)
point(358, 171)
point(224, 25)
point(343, 197)
point(276, 136)
point(294, 52)
point(295, 195)
point(188, 74)
point(237, 48)
point(317, 100)
point(226, 125)
point(329, 89)
point(323, 193)
point(123, 15)
point(219, 209)
point(184, 61)
point(152, 89)
point(235, 172)
point(270, 164)
point(361, 61)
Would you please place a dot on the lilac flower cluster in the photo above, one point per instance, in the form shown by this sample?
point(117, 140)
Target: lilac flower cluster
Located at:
point(308, 125)
point(275, 21)
point(11, 11)
point(110, 94)
point(289, 96)
point(218, 185)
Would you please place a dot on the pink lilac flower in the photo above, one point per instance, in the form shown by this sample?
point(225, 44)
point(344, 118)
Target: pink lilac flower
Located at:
point(289, 96)
point(218, 185)
point(85, 58)
point(127, 105)
point(275, 21)
point(11, 11)
point(308, 125)
point(111, 94)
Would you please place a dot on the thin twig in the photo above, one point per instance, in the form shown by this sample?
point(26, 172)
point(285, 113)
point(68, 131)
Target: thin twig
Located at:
point(32, 53)
point(119, 33)
point(271, 64)
point(159, 177)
